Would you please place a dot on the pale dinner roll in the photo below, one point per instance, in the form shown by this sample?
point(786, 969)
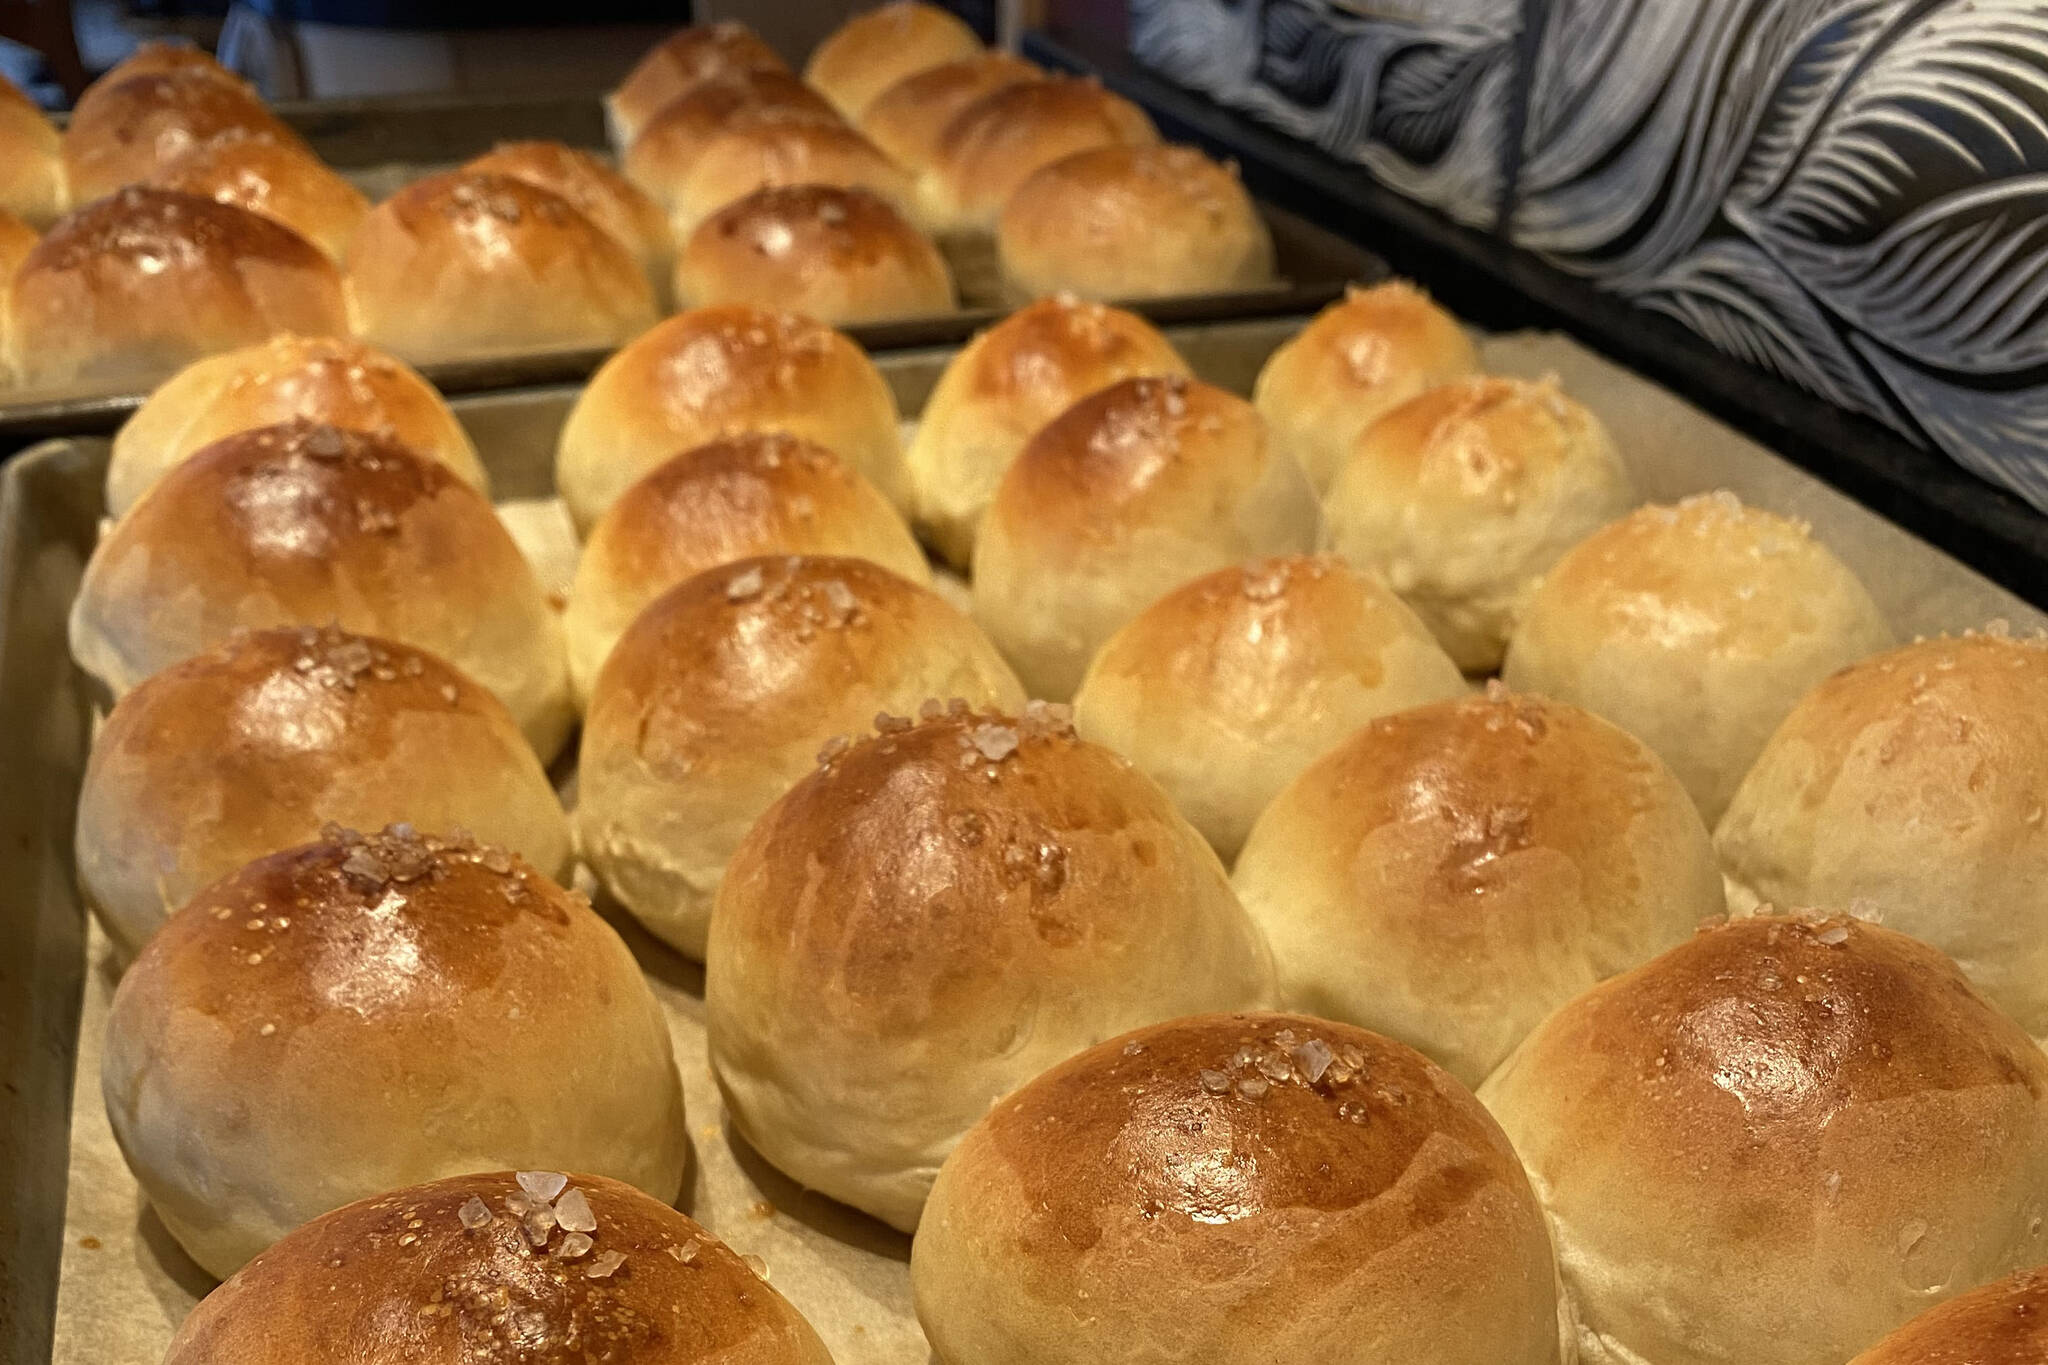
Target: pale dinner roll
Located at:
point(31, 160)
point(1129, 493)
point(908, 119)
point(598, 192)
point(936, 915)
point(1695, 627)
point(682, 61)
point(871, 51)
point(132, 288)
point(2003, 1323)
point(323, 379)
point(127, 131)
point(457, 1269)
point(661, 157)
point(282, 181)
point(719, 371)
point(1356, 361)
point(1451, 874)
point(1227, 687)
point(994, 144)
point(301, 524)
point(252, 747)
point(1237, 1188)
point(1133, 222)
point(473, 263)
point(369, 1011)
point(720, 694)
point(758, 493)
point(759, 148)
point(838, 255)
point(1910, 787)
point(1777, 1142)
point(1001, 389)
point(1463, 498)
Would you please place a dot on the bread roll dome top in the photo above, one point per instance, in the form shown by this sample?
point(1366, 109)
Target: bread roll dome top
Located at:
point(2003, 1323)
point(680, 62)
point(909, 119)
point(126, 132)
point(280, 180)
point(873, 50)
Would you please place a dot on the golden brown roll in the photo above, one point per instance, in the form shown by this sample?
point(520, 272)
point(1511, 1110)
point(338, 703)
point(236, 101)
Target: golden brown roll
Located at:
point(31, 160)
point(1451, 874)
point(1909, 787)
point(996, 143)
point(1002, 389)
point(1356, 361)
point(1237, 1188)
point(873, 50)
point(454, 1269)
point(661, 157)
point(1128, 222)
point(164, 59)
point(685, 59)
point(365, 1012)
point(758, 493)
point(322, 379)
point(2004, 1323)
point(301, 524)
point(838, 255)
point(760, 148)
point(935, 916)
point(282, 181)
point(1464, 497)
point(253, 746)
point(126, 132)
point(1777, 1142)
point(17, 239)
point(596, 191)
point(473, 263)
point(908, 119)
point(132, 288)
point(1131, 492)
point(719, 371)
point(1695, 627)
point(720, 694)
point(1223, 690)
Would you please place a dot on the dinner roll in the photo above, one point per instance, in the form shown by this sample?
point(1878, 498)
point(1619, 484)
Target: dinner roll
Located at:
point(719, 695)
point(31, 160)
point(1356, 361)
point(1777, 1142)
point(282, 181)
point(838, 255)
point(1451, 874)
point(1227, 687)
point(994, 144)
point(1910, 787)
point(129, 130)
point(935, 916)
point(1695, 627)
point(159, 58)
point(1237, 1188)
point(454, 1270)
point(303, 523)
point(871, 51)
point(618, 206)
point(1464, 497)
point(1128, 222)
point(2004, 1323)
point(718, 371)
point(253, 746)
point(757, 493)
point(1001, 389)
point(365, 1012)
point(1132, 491)
point(759, 148)
point(682, 61)
point(132, 288)
point(322, 379)
point(908, 119)
point(471, 263)
point(661, 157)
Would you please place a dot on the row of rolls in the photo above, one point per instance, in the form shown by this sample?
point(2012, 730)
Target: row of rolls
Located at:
point(1166, 924)
point(204, 222)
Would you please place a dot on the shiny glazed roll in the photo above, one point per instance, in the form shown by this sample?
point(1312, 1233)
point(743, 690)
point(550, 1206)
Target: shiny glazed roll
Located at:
point(302, 523)
point(720, 694)
point(472, 263)
point(719, 371)
point(1908, 786)
point(1129, 222)
point(1237, 1188)
point(685, 59)
point(2005, 1323)
point(908, 119)
point(1223, 690)
point(253, 746)
point(996, 143)
point(1696, 627)
point(760, 493)
point(1451, 874)
point(1463, 498)
point(31, 160)
point(1002, 389)
point(874, 49)
point(618, 206)
point(935, 916)
point(1131, 492)
point(280, 180)
point(1777, 1142)
point(762, 148)
point(370, 1011)
point(127, 131)
point(661, 157)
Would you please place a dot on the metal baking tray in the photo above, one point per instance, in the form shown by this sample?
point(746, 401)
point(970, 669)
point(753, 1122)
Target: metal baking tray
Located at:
point(86, 1273)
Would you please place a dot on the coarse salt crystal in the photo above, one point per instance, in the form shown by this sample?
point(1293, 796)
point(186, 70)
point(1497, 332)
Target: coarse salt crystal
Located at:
point(744, 584)
point(995, 742)
point(572, 1211)
point(604, 1265)
point(1314, 1058)
point(574, 1245)
point(475, 1214)
point(756, 1264)
point(1215, 1082)
point(1252, 1087)
point(1833, 935)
